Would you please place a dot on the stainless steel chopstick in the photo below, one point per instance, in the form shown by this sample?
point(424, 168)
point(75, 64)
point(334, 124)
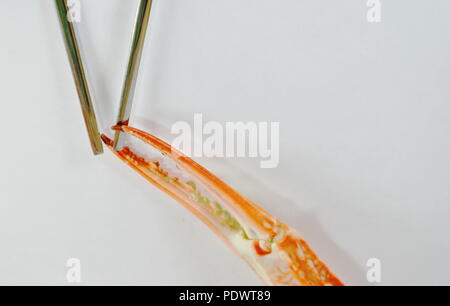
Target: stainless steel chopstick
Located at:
point(129, 86)
point(79, 75)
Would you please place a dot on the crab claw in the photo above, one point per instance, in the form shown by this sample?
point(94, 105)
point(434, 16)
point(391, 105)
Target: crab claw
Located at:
point(272, 249)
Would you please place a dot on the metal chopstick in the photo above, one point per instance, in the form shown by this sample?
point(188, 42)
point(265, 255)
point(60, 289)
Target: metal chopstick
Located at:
point(79, 75)
point(129, 86)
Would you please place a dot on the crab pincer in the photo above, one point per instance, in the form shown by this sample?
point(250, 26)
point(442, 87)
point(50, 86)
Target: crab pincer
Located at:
point(271, 248)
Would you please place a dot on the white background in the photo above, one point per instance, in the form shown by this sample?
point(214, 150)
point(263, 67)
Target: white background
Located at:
point(365, 147)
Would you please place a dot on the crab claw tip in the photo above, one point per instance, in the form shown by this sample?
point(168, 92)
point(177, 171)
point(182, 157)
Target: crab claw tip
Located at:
point(107, 140)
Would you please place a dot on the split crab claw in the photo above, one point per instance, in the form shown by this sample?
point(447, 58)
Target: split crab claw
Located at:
point(271, 248)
